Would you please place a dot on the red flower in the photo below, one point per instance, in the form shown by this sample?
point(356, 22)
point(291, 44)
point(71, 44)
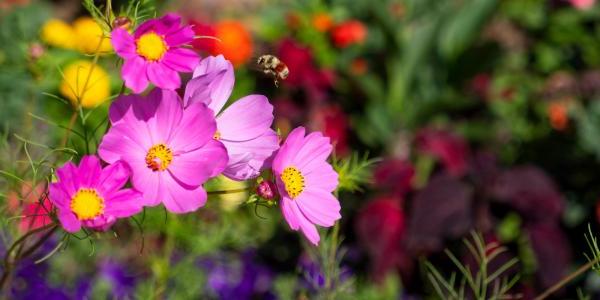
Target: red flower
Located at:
point(380, 227)
point(333, 122)
point(558, 115)
point(32, 204)
point(203, 31)
point(451, 149)
point(303, 71)
point(395, 175)
point(480, 85)
point(348, 33)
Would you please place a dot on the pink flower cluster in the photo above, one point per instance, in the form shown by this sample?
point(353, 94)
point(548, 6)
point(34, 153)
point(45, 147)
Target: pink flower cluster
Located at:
point(168, 146)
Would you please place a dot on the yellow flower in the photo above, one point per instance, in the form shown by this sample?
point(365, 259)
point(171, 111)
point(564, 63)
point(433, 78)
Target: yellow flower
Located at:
point(58, 34)
point(89, 35)
point(85, 82)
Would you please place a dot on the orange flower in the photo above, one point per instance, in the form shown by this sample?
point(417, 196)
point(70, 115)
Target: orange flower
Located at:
point(235, 44)
point(359, 66)
point(349, 33)
point(293, 20)
point(322, 22)
point(558, 115)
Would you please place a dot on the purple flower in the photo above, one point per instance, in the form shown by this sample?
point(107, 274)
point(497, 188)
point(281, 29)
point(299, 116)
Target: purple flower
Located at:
point(244, 128)
point(171, 152)
point(531, 192)
point(122, 283)
point(238, 278)
point(91, 196)
point(155, 53)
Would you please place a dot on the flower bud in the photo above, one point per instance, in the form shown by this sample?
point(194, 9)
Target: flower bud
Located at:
point(36, 50)
point(266, 189)
point(121, 22)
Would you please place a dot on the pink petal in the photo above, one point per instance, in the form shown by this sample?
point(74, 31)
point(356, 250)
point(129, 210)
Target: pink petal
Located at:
point(288, 214)
point(69, 221)
point(100, 223)
point(123, 141)
point(147, 26)
point(134, 74)
point(288, 149)
point(122, 108)
point(58, 196)
point(222, 85)
point(198, 89)
point(315, 148)
point(319, 207)
point(196, 128)
point(248, 158)
point(113, 177)
point(163, 76)
point(308, 229)
point(89, 170)
point(182, 199)
point(181, 59)
point(246, 119)
point(322, 177)
point(167, 115)
point(195, 167)
point(68, 178)
point(183, 35)
point(167, 24)
point(149, 183)
point(124, 203)
point(123, 43)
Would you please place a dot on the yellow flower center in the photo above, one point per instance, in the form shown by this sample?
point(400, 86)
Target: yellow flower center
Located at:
point(87, 204)
point(151, 46)
point(217, 135)
point(159, 157)
point(293, 181)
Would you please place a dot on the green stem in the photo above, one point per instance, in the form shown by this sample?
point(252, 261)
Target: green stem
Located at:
point(557, 286)
point(224, 192)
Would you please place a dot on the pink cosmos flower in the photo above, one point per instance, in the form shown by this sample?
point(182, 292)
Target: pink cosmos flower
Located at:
point(244, 127)
point(305, 182)
point(90, 196)
point(171, 152)
point(155, 53)
point(583, 4)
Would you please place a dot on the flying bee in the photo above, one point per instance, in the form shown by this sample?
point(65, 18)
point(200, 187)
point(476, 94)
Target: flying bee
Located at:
point(274, 67)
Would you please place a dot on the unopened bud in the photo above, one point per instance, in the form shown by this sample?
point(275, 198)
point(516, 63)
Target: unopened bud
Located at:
point(36, 50)
point(122, 22)
point(266, 189)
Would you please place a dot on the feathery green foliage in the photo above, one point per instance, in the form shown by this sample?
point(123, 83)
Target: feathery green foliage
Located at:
point(481, 284)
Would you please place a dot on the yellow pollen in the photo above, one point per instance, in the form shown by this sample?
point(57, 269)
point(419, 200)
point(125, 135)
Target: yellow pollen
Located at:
point(159, 157)
point(293, 181)
point(151, 46)
point(217, 135)
point(87, 204)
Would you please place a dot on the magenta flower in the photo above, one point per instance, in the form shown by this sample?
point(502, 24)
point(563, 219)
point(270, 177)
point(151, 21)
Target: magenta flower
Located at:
point(244, 127)
point(171, 152)
point(91, 196)
point(305, 182)
point(155, 53)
